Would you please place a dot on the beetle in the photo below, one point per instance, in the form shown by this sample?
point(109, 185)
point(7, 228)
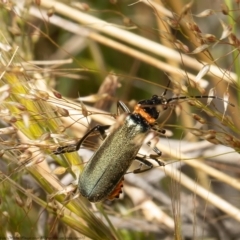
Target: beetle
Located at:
point(102, 177)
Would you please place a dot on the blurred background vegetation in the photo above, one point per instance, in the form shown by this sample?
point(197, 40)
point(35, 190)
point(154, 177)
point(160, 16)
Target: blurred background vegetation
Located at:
point(64, 66)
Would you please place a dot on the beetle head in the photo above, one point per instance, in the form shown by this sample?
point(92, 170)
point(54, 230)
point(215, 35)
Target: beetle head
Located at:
point(150, 106)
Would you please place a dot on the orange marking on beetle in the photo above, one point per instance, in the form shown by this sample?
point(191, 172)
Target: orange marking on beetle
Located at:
point(117, 191)
point(139, 110)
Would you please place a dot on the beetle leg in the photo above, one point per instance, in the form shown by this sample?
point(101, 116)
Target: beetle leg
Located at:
point(76, 146)
point(155, 158)
point(156, 128)
point(145, 162)
point(162, 131)
point(155, 149)
point(123, 106)
point(99, 128)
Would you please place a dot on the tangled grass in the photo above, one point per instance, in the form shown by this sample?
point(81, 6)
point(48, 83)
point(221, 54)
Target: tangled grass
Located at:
point(106, 52)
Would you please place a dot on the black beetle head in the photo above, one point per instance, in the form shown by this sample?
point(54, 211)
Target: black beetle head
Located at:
point(150, 105)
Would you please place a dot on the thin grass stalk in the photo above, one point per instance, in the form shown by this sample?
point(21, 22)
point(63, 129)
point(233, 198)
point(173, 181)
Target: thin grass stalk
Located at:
point(130, 38)
point(41, 119)
point(68, 161)
point(235, 54)
point(207, 195)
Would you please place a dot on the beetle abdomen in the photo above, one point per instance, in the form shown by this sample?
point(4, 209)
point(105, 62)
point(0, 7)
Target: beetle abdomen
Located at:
point(111, 161)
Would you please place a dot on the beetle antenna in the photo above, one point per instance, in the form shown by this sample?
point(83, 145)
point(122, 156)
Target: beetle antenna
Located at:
point(184, 97)
point(165, 91)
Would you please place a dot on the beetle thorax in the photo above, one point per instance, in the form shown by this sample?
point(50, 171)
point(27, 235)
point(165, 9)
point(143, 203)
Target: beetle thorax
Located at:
point(148, 108)
point(145, 114)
